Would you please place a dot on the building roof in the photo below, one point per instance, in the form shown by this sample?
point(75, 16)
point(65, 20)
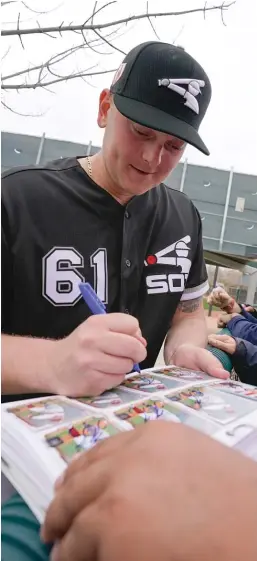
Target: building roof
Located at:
point(229, 260)
point(23, 149)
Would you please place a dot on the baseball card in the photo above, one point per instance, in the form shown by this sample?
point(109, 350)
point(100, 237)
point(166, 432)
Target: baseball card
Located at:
point(150, 383)
point(183, 374)
point(80, 436)
point(237, 388)
point(47, 412)
point(219, 406)
point(158, 409)
point(110, 399)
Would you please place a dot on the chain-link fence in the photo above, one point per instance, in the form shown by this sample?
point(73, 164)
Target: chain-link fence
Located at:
point(240, 294)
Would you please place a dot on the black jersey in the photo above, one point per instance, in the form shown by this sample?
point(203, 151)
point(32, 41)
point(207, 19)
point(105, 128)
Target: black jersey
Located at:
point(59, 228)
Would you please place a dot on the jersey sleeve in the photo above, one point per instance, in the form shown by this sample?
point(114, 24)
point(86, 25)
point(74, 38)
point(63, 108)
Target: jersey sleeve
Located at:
point(197, 283)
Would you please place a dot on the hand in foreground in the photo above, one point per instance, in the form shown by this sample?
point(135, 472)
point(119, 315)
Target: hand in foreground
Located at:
point(97, 355)
point(223, 342)
point(160, 492)
point(197, 358)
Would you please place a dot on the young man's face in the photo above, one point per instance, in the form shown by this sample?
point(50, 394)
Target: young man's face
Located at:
point(137, 158)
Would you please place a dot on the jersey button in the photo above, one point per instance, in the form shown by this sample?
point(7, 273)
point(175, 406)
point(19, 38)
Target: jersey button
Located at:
point(126, 311)
point(127, 214)
point(128, 263)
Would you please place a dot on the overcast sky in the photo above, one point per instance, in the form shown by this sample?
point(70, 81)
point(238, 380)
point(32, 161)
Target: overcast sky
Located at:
point(227, 53)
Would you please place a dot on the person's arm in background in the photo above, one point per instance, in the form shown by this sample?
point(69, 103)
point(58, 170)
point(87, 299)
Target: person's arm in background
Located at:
point(244, 361)
point(248, 316)
point(220, 298)
point(241, 327)
point(243, 355)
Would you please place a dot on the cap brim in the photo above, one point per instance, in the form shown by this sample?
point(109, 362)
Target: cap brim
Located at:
point(156, 119)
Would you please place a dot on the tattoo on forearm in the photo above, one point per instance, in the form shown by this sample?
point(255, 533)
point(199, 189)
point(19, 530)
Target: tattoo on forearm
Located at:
point(189, 306)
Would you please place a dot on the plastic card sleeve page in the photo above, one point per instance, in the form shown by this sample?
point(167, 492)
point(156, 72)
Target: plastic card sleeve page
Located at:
point(40, 421)
point(241, 435)
point(40, 437)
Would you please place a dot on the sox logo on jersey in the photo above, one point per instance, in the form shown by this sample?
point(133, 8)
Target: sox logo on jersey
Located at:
point(171, 282)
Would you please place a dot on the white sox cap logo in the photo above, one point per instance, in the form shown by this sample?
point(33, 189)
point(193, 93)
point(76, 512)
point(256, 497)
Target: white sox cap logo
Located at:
point(194, 89)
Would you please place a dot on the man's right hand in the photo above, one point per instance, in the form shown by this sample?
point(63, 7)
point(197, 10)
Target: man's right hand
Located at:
point(97, 355)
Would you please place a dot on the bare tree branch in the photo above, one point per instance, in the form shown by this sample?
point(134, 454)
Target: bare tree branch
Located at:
point(48, 34)
point(62, 79)
point(178, 34)
point(18, 113)
point(104, 39)
point(108, 42)
point(88, 44)
point(96, 11)
point(151, 23)
point(41, 12)
point(55, 58)
point(92, 27)
point(6, 53)
point(94, 36)
point(18, 30)
point(87, 82)
point(33, 12)
point(222, 18)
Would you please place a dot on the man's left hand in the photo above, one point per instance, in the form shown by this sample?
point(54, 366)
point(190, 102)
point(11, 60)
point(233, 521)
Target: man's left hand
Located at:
point(197, 358)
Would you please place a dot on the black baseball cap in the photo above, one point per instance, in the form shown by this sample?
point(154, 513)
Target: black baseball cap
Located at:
point(162, 87)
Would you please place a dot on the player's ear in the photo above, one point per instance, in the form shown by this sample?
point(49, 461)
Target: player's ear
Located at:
point(105, 101)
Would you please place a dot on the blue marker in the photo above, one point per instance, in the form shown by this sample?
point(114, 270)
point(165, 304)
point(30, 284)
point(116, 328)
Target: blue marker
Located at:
point(96, 306)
